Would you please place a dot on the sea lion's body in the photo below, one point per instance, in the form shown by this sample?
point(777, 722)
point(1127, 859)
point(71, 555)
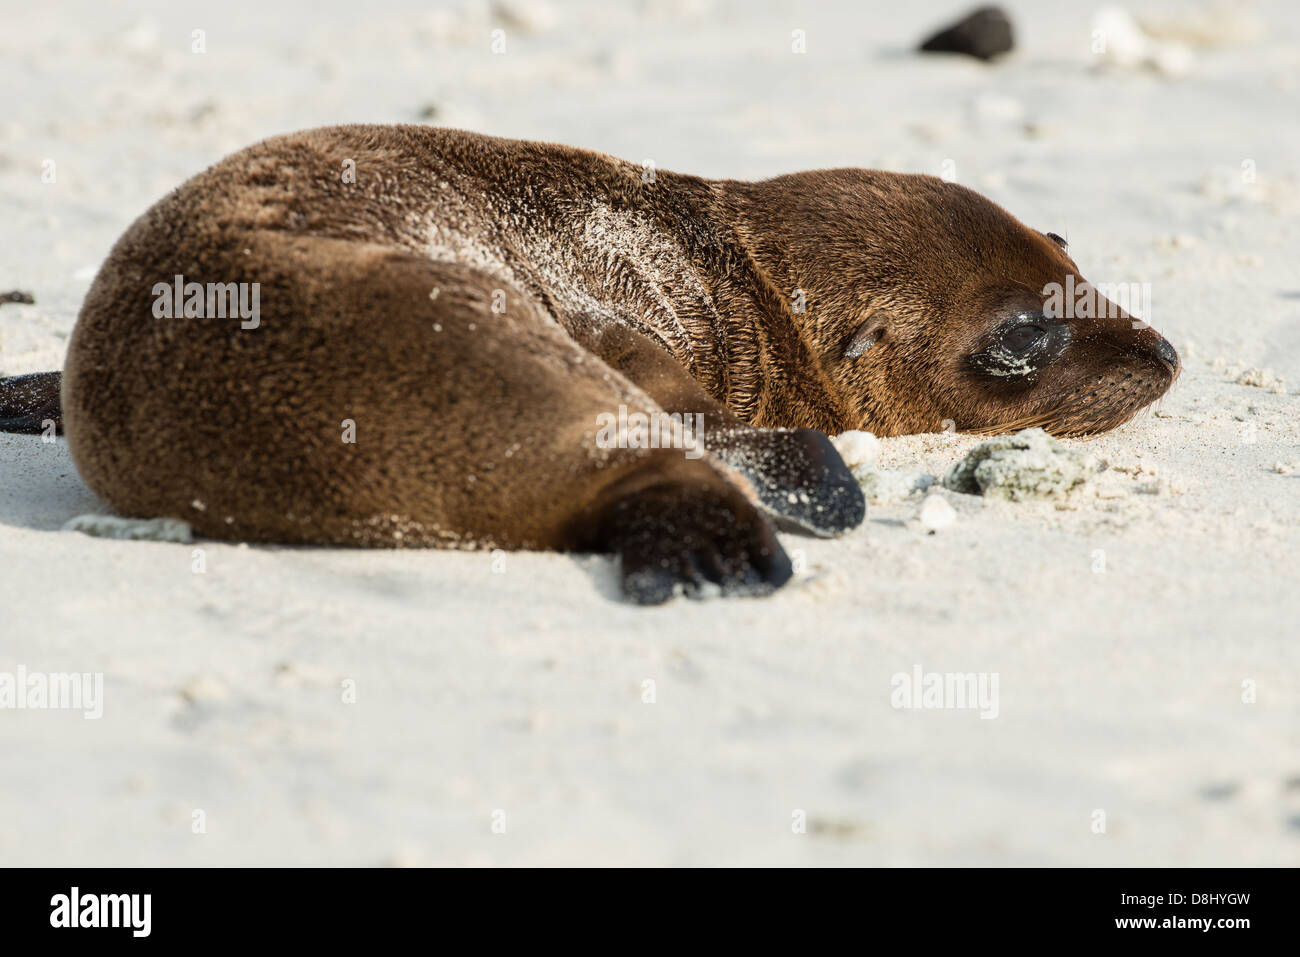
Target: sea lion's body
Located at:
point(444, 318)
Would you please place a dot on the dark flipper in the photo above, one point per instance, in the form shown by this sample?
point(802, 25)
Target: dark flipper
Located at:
point(798, 475)
point(30, 403)
point(677, 539)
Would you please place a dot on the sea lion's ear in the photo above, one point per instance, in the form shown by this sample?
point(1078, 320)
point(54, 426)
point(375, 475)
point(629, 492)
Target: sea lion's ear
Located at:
point(868, 333)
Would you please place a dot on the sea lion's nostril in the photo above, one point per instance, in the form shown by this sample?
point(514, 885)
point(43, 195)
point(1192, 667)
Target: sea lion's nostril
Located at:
point(1168, 355)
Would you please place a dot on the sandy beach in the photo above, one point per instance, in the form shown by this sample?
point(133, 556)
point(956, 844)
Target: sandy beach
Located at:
point(334, 706)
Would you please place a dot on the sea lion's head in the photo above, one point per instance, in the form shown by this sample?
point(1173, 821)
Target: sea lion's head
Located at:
point(928, 307)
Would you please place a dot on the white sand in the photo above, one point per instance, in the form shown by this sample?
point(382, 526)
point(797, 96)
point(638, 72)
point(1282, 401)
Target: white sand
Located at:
point(520, 689)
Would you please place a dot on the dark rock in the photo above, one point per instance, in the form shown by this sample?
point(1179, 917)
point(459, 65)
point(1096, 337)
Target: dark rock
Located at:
point(17, 296)
point(985, 33)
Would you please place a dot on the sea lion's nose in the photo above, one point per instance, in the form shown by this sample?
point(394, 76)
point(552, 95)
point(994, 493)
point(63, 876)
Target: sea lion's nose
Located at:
point(1168, 354)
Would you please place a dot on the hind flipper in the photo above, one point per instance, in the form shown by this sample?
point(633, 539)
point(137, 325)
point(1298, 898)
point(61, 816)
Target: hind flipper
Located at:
point(685, 533)
point(30, 403)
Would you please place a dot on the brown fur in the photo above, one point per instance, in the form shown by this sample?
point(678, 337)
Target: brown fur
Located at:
point(475, 427)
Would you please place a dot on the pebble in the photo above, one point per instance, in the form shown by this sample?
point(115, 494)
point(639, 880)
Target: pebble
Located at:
point(983, 33)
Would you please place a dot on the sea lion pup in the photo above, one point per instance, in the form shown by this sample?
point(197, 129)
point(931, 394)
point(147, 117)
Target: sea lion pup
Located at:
point(386, 336)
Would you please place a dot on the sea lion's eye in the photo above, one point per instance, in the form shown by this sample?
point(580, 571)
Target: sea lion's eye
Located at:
point(1023, 338)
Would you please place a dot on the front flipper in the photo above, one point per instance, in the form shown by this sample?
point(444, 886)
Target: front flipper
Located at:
point(30, 403)
point(798, 475)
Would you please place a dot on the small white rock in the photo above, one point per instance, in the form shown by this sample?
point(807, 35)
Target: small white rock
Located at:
point(1262, 379)
point(859, 450)
point(1120, 39)
point(131, 529)
point(936, 513)
point(204, 688)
